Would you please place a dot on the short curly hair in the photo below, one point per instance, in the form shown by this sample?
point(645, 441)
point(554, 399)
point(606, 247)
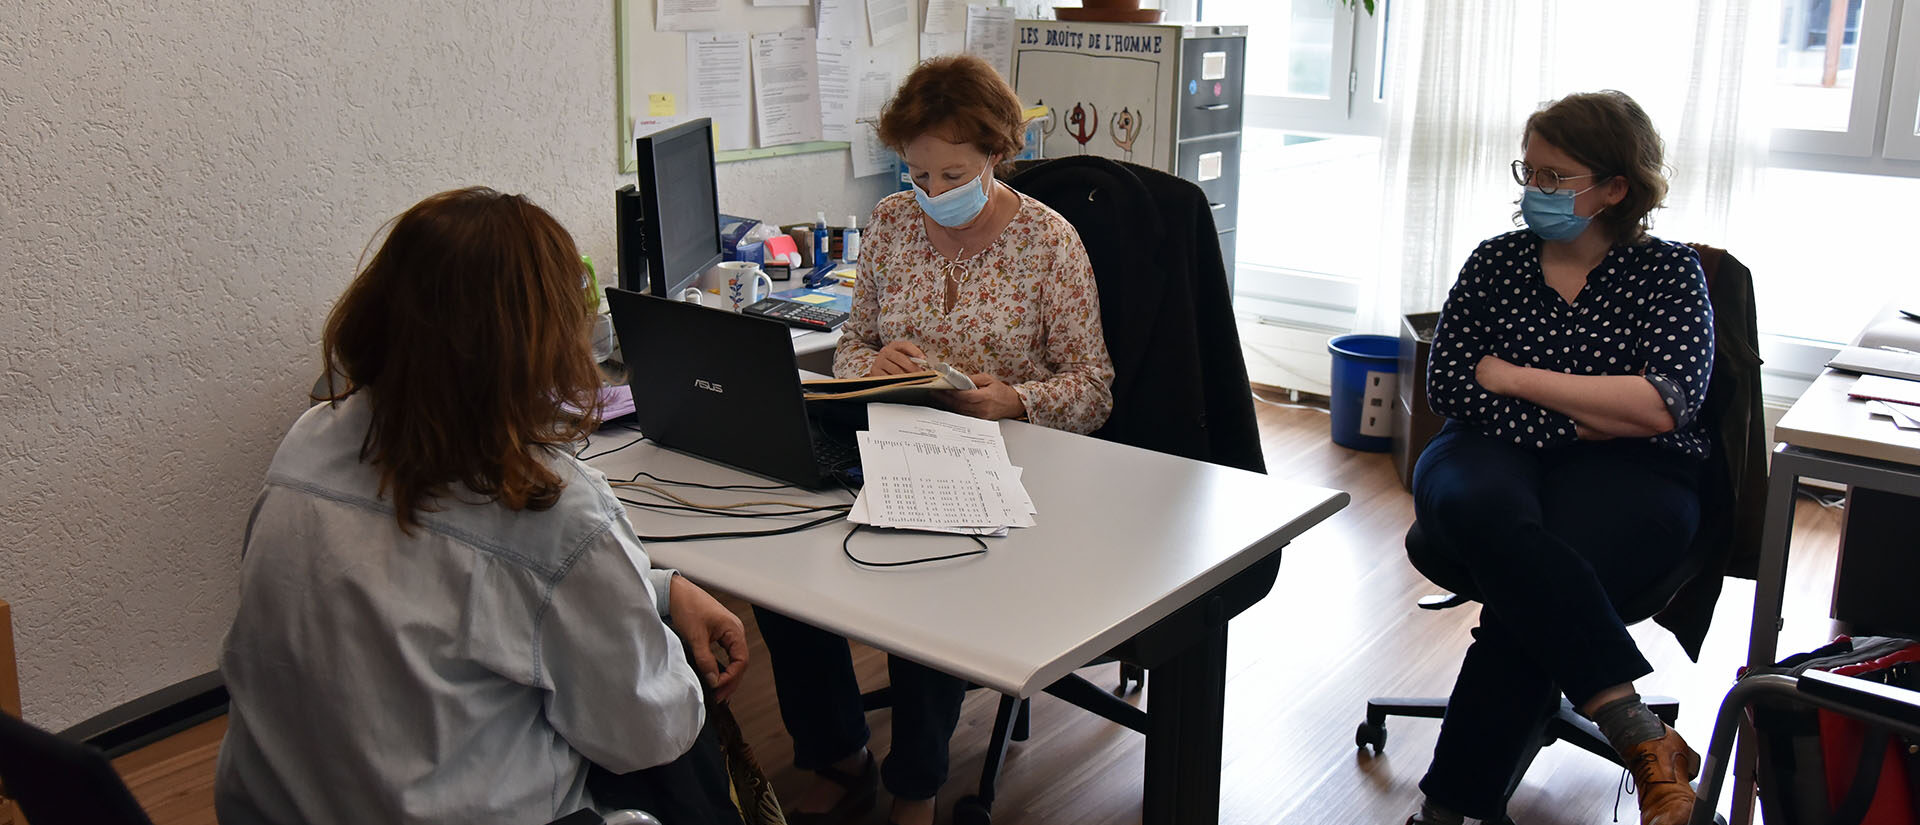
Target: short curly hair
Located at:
point(1609, 133)
point(959, 98)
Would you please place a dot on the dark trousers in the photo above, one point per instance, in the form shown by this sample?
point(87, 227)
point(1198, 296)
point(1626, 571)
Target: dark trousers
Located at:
point(691, 790)
point(820, 704)
point(1555, 540)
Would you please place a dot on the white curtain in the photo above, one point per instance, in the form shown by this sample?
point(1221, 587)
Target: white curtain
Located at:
point(1464, 75)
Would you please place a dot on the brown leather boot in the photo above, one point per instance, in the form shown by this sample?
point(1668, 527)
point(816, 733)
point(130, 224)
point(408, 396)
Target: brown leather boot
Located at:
point(1662, 769)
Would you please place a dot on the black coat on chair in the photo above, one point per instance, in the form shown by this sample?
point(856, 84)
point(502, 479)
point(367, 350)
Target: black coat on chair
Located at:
point(1180, 383)
point(1734, 497)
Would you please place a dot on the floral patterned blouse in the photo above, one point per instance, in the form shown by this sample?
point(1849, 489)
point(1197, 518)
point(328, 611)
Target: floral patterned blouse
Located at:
point(1027, 310)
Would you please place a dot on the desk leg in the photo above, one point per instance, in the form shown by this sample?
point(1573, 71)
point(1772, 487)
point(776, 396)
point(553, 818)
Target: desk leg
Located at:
point(1769, 592)
point(1186, 714)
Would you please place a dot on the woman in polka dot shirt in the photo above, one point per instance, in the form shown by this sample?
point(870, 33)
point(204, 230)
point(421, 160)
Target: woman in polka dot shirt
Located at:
point(1571, 362)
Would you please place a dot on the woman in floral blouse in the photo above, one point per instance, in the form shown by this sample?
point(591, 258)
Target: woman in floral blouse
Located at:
point(965, 271)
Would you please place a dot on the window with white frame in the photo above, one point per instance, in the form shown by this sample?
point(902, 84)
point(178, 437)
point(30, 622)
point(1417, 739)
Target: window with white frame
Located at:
point(1829, 239)
point(1314, 118)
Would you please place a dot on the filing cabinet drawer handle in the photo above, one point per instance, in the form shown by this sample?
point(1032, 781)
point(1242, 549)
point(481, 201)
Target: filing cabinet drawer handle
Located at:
point(1215, 107)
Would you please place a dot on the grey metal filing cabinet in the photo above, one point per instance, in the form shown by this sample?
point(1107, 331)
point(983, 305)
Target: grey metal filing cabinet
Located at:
point(1169, 96)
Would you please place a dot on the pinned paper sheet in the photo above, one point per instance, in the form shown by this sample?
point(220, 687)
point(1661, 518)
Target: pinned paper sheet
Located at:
point(838, 19)
point(686, 15)
point(660, 103)
point(876, 86)
point(870, 156)
point(933, 44)
point(943, 17)
point(786, 87)
point(836, 60)
point(990, 37)
point(888, 20)
point(718, 86)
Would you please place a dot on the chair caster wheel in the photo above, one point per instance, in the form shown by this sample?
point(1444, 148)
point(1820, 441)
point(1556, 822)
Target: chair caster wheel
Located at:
point(970, 810)
point(1371, 734)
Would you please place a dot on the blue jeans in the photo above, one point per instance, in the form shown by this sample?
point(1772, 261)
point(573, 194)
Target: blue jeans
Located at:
point(1555, 541)
point(820, 705)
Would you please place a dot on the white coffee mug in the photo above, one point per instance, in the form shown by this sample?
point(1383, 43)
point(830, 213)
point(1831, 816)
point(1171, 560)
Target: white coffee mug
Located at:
point(732, 285)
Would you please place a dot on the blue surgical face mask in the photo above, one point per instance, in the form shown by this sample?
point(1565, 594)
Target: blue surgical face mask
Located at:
point(956, 206)
point(1551, 215)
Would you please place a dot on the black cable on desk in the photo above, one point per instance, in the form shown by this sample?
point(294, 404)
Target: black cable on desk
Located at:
point(699, 485)
point(735, 513)
point(611, 451)
point(848, 539)
point(748, 534)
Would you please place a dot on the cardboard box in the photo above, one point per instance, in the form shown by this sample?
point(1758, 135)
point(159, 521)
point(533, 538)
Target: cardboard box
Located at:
point(1414, 424)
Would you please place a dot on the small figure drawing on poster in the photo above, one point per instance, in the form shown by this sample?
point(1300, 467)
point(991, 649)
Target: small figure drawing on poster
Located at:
point(1126, 128)
point(1085, 123)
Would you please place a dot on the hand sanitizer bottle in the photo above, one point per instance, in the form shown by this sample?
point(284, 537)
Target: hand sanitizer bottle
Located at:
point(850, 241)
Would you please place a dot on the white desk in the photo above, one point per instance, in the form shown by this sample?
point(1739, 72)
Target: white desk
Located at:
point(1135, 551)
point(1829, 436)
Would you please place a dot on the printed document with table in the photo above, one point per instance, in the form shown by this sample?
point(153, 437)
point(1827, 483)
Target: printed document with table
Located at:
point(928, 469)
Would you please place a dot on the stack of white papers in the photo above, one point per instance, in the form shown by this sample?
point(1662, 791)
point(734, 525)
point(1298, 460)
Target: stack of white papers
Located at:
point(928, 469)
point(1894, 398)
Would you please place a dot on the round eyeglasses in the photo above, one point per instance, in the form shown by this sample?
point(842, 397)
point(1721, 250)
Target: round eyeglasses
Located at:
point(1548, 180)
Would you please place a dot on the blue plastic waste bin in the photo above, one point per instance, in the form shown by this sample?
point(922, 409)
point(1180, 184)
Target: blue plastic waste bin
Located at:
point(1366, 371)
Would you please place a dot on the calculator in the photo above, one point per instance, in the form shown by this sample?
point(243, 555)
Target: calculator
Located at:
point(797, 314)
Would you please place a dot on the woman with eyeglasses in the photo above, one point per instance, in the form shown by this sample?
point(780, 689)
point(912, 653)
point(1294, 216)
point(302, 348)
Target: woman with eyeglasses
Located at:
point(1571, 362)
point(964, 271)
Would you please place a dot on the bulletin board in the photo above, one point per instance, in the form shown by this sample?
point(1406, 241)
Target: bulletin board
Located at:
point(652, 62)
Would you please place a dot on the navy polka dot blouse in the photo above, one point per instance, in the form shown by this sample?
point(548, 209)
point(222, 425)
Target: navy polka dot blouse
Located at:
point(1644, 311)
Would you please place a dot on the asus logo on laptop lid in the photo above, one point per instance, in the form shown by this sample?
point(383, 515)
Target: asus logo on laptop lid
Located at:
point(709, 386)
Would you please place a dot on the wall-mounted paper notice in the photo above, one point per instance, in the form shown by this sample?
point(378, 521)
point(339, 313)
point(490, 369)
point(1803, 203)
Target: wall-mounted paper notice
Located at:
point(780, 2)
point(943, 17)
point(876, 86)
point(786, 87)
point(717, 86)
point(870, 156)
point(836, 58)
point(934, 44)
point(888, 20)
point(685, 15)
point(990, 37)
point(836, 19)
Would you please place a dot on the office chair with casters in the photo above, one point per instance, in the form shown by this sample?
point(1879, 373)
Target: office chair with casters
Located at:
point(1732, 489)
point(1562, 724)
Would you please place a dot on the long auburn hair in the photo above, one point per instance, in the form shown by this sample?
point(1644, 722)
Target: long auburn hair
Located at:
point(467, 332)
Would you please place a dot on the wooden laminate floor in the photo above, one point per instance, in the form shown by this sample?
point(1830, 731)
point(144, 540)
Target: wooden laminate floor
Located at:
point(1339, 627)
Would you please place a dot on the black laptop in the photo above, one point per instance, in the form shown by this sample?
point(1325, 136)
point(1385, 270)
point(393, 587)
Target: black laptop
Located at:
point(724, 387)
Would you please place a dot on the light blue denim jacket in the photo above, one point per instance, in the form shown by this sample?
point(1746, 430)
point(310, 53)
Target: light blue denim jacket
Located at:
point(465, 673)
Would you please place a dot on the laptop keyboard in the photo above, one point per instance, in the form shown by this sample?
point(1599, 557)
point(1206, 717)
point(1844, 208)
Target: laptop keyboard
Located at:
point(833, 454)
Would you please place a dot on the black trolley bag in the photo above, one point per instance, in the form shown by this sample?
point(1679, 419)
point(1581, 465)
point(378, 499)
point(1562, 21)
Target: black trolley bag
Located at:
point(1837, 731)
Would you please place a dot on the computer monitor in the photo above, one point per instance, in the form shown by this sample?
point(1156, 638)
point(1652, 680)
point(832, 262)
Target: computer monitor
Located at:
point(679, 220)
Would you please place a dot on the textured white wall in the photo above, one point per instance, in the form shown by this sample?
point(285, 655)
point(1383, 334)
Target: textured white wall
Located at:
point(184, 189)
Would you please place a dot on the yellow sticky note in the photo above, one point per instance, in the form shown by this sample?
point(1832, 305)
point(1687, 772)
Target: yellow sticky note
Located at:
point(815, 299)
point(660, 103)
